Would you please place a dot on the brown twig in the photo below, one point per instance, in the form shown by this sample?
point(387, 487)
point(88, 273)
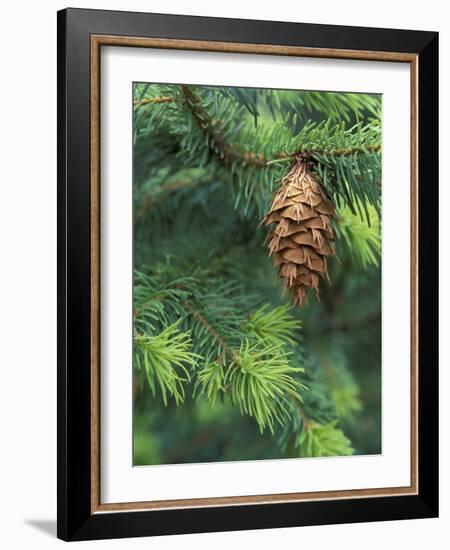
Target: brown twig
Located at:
point(146, 101)
point(212, 331)
point(225, 152)
point(348, 151)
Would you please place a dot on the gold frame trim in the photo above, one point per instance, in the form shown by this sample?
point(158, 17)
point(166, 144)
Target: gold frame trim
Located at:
point(97, 41)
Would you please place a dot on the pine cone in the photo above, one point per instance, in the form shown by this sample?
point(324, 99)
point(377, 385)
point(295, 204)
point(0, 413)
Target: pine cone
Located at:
point(302, 236)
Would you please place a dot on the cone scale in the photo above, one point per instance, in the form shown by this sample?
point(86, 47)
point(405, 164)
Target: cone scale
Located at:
point(302, 235)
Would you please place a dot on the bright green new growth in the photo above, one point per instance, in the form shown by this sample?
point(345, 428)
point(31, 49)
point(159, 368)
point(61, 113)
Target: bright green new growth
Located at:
point(276, 326)
point(252, 362)
point(362, 236)
point(327, 440)
point(165, 358)
point(262, 382)
point(346, 400)
point(210, 382)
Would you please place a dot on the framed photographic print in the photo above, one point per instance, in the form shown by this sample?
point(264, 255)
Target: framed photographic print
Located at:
point(247, 274)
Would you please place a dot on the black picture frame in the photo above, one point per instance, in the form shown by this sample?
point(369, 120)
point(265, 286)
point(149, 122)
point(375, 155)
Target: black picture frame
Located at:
point(76, 521)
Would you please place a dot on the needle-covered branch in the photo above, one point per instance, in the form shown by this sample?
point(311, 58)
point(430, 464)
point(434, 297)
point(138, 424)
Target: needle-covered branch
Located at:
point(255, 158)
point(185, 331)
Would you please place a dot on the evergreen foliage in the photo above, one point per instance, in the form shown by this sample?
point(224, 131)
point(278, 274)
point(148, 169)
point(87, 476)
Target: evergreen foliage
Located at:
point(224, 367)
point(323, 440)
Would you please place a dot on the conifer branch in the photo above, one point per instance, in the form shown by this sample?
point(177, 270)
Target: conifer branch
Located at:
point(229, 153)
point(348, 161)
point(226, 152)
point(349, 151)
point(146, 101)
point(210, 329)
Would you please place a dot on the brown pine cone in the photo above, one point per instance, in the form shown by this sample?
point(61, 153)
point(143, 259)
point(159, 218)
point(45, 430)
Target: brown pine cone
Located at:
point(302, 235)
